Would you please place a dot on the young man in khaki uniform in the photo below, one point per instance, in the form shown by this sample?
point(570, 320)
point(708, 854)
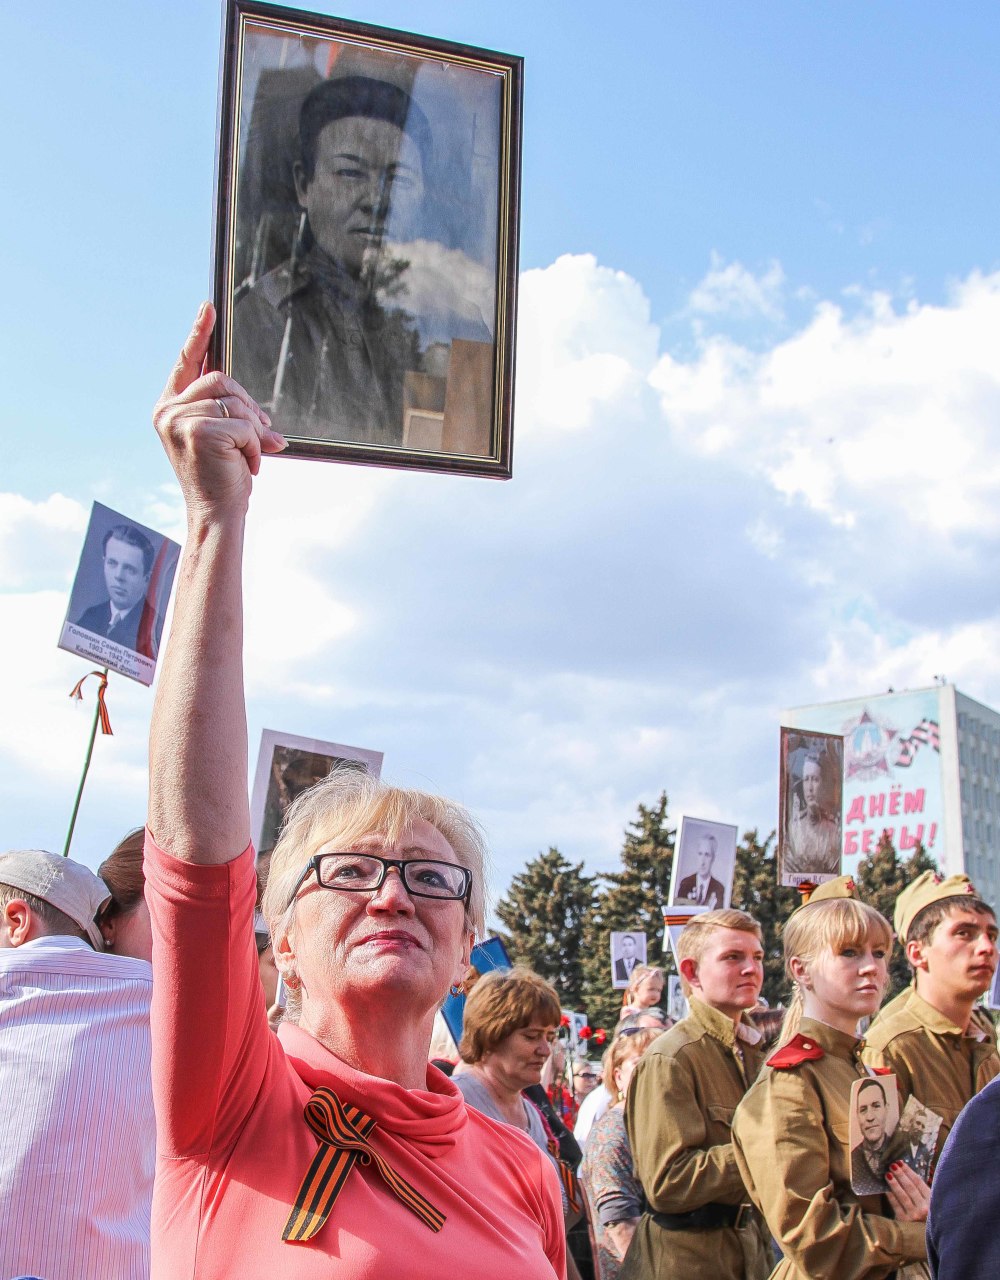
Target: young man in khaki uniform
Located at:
point(679, 1109)
point(942, 1048)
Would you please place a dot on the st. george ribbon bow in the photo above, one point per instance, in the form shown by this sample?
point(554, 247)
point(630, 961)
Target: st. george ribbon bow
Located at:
point(343, 1137)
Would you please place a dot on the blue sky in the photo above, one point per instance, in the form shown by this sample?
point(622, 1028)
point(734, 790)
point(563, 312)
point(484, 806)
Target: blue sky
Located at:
point(755, 455)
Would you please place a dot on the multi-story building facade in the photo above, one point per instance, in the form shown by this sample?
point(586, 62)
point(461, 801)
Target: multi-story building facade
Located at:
point(925, 765)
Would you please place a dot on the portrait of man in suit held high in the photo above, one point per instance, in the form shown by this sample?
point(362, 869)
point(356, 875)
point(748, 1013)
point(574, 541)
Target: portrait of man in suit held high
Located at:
point(120, 594)
point(704, 864)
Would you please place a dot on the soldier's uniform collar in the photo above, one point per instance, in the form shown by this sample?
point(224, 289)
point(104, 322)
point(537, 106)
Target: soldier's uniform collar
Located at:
point(720, 1027)
point(934, 1020)
point(836, 1043)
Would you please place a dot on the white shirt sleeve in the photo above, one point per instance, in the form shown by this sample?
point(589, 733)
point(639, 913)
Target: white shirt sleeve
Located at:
point(592, 1108)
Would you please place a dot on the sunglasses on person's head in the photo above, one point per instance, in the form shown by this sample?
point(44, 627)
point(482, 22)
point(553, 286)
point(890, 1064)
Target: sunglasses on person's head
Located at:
point(366, 872)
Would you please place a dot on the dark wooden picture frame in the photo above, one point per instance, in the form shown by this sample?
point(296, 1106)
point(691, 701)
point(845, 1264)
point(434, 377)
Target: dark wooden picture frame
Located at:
point(366, 238)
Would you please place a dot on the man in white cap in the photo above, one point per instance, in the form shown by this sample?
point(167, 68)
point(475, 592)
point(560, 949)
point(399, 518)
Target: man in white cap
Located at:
point(941, 1047)
point(77, 1134)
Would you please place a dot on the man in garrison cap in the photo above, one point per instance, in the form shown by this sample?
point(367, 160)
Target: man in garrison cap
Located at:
point(940, 1046)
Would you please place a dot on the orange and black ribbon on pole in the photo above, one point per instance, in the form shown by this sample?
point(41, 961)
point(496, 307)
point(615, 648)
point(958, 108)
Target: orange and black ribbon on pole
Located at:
point(102, 706)
point(343, 1136)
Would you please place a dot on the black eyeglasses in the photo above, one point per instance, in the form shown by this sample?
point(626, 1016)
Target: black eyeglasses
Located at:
point(366, 872)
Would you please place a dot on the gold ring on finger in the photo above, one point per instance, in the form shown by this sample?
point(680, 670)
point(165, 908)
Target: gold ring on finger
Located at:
point(222, 409)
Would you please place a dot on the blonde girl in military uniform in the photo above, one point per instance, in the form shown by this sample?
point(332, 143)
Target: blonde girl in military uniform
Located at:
point(790, 1132)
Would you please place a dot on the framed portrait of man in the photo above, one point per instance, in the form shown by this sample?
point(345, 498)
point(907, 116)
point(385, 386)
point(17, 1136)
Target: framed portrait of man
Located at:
point(627, 950)
point(366, 234)
point(120, 594)
point(288, 765)
point(810, 824)
point(704, 864)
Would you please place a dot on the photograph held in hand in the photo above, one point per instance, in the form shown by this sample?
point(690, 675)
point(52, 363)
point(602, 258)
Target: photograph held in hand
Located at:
point(366, 238)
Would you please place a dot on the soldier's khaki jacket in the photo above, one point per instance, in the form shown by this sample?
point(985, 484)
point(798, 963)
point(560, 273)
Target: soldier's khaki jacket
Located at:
point(678, 1113)
point(939, 1063)
point(790, 1135)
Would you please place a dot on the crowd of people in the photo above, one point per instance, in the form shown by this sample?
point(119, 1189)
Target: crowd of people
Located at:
point(308, 1133)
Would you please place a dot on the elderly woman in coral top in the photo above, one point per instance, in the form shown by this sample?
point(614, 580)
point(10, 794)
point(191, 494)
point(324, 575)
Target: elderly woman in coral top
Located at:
point(331, 1147)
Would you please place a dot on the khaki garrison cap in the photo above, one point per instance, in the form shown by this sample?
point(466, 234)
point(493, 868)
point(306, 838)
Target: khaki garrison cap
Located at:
point(841, 887)
point(925, 890)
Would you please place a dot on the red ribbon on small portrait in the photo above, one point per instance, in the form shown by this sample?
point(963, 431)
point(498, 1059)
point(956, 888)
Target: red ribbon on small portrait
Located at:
point(102, 706)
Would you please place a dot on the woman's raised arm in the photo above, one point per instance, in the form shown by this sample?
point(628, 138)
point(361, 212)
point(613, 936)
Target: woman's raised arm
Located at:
point(214, 435)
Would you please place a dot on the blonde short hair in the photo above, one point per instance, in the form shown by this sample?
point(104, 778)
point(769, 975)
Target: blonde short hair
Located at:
point(639, 975)
point(697, 933)
point(349, 805)
point(501, 1003)
point(620, 1050)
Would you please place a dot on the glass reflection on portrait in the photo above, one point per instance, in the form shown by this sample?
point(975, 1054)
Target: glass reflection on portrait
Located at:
point(371, 323)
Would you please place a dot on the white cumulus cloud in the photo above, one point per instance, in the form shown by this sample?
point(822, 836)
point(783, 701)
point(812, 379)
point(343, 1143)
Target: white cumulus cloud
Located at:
point(884, 410)
point(689, 543)
point(731, 289)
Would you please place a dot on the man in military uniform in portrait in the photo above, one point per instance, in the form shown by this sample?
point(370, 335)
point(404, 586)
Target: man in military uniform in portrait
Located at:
point(318, 340)
point(813, 844)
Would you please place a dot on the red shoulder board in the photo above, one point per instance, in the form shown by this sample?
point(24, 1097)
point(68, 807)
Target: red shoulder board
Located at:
point(799, 1049)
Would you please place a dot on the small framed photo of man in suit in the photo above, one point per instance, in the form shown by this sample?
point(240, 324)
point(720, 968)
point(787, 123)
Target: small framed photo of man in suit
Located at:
point(704, 865)
point(120, 595)
point(366, 238)
point(627, 950)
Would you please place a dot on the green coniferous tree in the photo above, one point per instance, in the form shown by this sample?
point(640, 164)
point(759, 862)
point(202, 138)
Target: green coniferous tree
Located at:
point(543, 914)
point(756, 889)
point(881, 877)
point(630, 899)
